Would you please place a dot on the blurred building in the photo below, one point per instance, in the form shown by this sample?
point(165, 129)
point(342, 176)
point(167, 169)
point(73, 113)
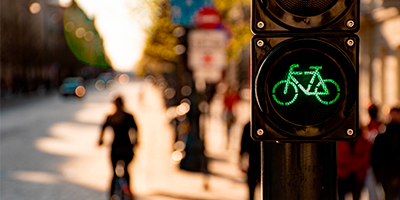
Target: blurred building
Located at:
point(34, 53)
point(379, 55)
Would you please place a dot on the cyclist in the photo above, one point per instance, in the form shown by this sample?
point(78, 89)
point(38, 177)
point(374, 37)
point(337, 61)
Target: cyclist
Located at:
point(122, 146)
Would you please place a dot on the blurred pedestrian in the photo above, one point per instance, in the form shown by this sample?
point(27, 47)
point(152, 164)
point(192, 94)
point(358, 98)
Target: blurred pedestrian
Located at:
point(353, 162)
point(122, 146)
point(374, 127)
point(385, 157)
point(253, 149)
point(231, 98)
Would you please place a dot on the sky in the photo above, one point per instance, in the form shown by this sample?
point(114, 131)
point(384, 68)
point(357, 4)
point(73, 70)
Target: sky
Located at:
point(122, 25)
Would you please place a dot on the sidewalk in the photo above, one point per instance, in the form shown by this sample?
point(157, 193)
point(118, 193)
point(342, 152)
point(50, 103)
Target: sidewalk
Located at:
point(156, 177)
point(59, 158)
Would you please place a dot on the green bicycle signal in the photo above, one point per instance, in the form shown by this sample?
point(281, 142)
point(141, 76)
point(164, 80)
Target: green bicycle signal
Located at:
point(321, 88)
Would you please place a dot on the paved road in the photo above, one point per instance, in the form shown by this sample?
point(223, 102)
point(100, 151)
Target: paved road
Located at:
point(49, 150)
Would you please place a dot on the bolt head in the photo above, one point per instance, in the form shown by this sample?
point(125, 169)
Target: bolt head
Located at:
point(260, 24)
point(260, 132)
point(350, 23)
point(350, 42)
point(260, 43)
point(350, 132)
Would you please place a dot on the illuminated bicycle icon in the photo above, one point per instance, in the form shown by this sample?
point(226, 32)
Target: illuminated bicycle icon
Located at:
point(321, 88)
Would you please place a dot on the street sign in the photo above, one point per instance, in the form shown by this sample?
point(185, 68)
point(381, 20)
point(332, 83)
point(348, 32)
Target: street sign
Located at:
point(207, 54)
point(207, 17)
point(183, 11)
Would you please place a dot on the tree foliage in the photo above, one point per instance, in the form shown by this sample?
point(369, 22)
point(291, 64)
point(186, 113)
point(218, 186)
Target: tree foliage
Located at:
point(159, 55)
point(236, 13)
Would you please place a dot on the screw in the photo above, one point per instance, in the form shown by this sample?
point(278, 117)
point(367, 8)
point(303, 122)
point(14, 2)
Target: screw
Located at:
point(350, 42)
point(350, 132)
point(350, 23)
point(260, 24)
point(260, 132)
point(306, 20)
point(260, 43)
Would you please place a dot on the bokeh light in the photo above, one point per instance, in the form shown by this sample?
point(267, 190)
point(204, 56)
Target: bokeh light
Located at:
point(179, 145)
point(69, 26)
point(183, 108)
point(169, 93)
point(110, 85)
point(177, 156)
point(179, 49)
point(186, 90)
point(203, 106)
point(123, 79)
point(80, 32)
point(100, 85)
point(80, 91)
point(35, 8)
point(186, 100)
point(89, 36)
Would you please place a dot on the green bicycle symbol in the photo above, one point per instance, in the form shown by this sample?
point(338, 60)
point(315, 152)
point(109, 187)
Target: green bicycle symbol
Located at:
point(321, 88)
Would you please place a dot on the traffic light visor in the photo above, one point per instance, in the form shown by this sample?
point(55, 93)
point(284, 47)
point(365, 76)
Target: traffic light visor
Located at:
point(304, 15)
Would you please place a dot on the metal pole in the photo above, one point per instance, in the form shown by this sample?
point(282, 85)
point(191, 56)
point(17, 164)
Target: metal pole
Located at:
point(302, 171)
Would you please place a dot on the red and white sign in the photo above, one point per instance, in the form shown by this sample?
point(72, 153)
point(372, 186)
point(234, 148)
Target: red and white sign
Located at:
point(207, 54)
point(207, 17)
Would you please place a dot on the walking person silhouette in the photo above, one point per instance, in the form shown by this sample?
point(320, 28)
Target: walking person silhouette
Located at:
point(122, 146)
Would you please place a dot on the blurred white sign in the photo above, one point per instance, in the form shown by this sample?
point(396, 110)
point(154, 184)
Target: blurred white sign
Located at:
point(207, 54)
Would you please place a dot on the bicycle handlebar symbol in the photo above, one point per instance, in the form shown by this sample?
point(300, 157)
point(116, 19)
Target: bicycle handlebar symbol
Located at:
point(321, 88)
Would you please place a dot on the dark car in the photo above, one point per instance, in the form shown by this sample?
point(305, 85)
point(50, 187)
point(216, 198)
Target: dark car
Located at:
point(73, 86)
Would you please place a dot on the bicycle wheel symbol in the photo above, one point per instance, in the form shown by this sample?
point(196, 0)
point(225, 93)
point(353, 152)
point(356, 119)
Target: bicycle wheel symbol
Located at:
point(328, 87)
point(287, 95)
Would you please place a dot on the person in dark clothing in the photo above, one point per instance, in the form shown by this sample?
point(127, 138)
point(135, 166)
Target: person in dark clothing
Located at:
point(352, 165)
point(253, 149)
point(374, 127)
point(385, 157)
point(122, 146)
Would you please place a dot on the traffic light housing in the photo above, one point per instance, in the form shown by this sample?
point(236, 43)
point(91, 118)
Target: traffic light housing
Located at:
point(304, 70)
point(273, 16)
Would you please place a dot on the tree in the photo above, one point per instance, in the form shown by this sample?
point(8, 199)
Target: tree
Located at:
point(159, 55)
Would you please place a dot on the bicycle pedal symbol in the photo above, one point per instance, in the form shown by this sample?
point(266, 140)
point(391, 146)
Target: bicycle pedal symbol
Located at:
point(320, 90)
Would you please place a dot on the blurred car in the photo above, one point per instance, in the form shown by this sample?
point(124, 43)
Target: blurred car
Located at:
point(105, 81)
point(73, 86)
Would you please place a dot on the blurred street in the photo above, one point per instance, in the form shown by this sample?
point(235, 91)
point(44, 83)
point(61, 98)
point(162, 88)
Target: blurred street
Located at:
point(193, 73)
point(49, 149)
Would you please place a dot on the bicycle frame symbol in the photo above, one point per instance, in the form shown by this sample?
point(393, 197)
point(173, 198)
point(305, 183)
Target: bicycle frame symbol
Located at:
point(320, 89)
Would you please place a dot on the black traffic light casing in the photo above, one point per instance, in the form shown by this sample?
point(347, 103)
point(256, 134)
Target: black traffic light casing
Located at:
point(304, 70)
point(324, 16)
point(306, 118)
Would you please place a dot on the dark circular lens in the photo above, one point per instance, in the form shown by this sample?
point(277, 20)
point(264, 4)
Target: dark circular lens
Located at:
point(305, 86)
point(306, 7)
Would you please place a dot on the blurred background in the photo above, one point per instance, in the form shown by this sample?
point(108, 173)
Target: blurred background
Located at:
point(182, 67)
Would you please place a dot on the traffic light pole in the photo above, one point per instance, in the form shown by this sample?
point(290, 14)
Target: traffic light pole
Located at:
point(298, 170)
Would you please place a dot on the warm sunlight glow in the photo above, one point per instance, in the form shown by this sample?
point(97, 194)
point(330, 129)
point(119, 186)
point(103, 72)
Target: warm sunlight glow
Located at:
point(122, 25)
point(65, 3)
point(36, 177)
point(86, 160)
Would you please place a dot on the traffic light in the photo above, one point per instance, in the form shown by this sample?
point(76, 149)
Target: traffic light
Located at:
point(307, 16)
point(304, 70)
